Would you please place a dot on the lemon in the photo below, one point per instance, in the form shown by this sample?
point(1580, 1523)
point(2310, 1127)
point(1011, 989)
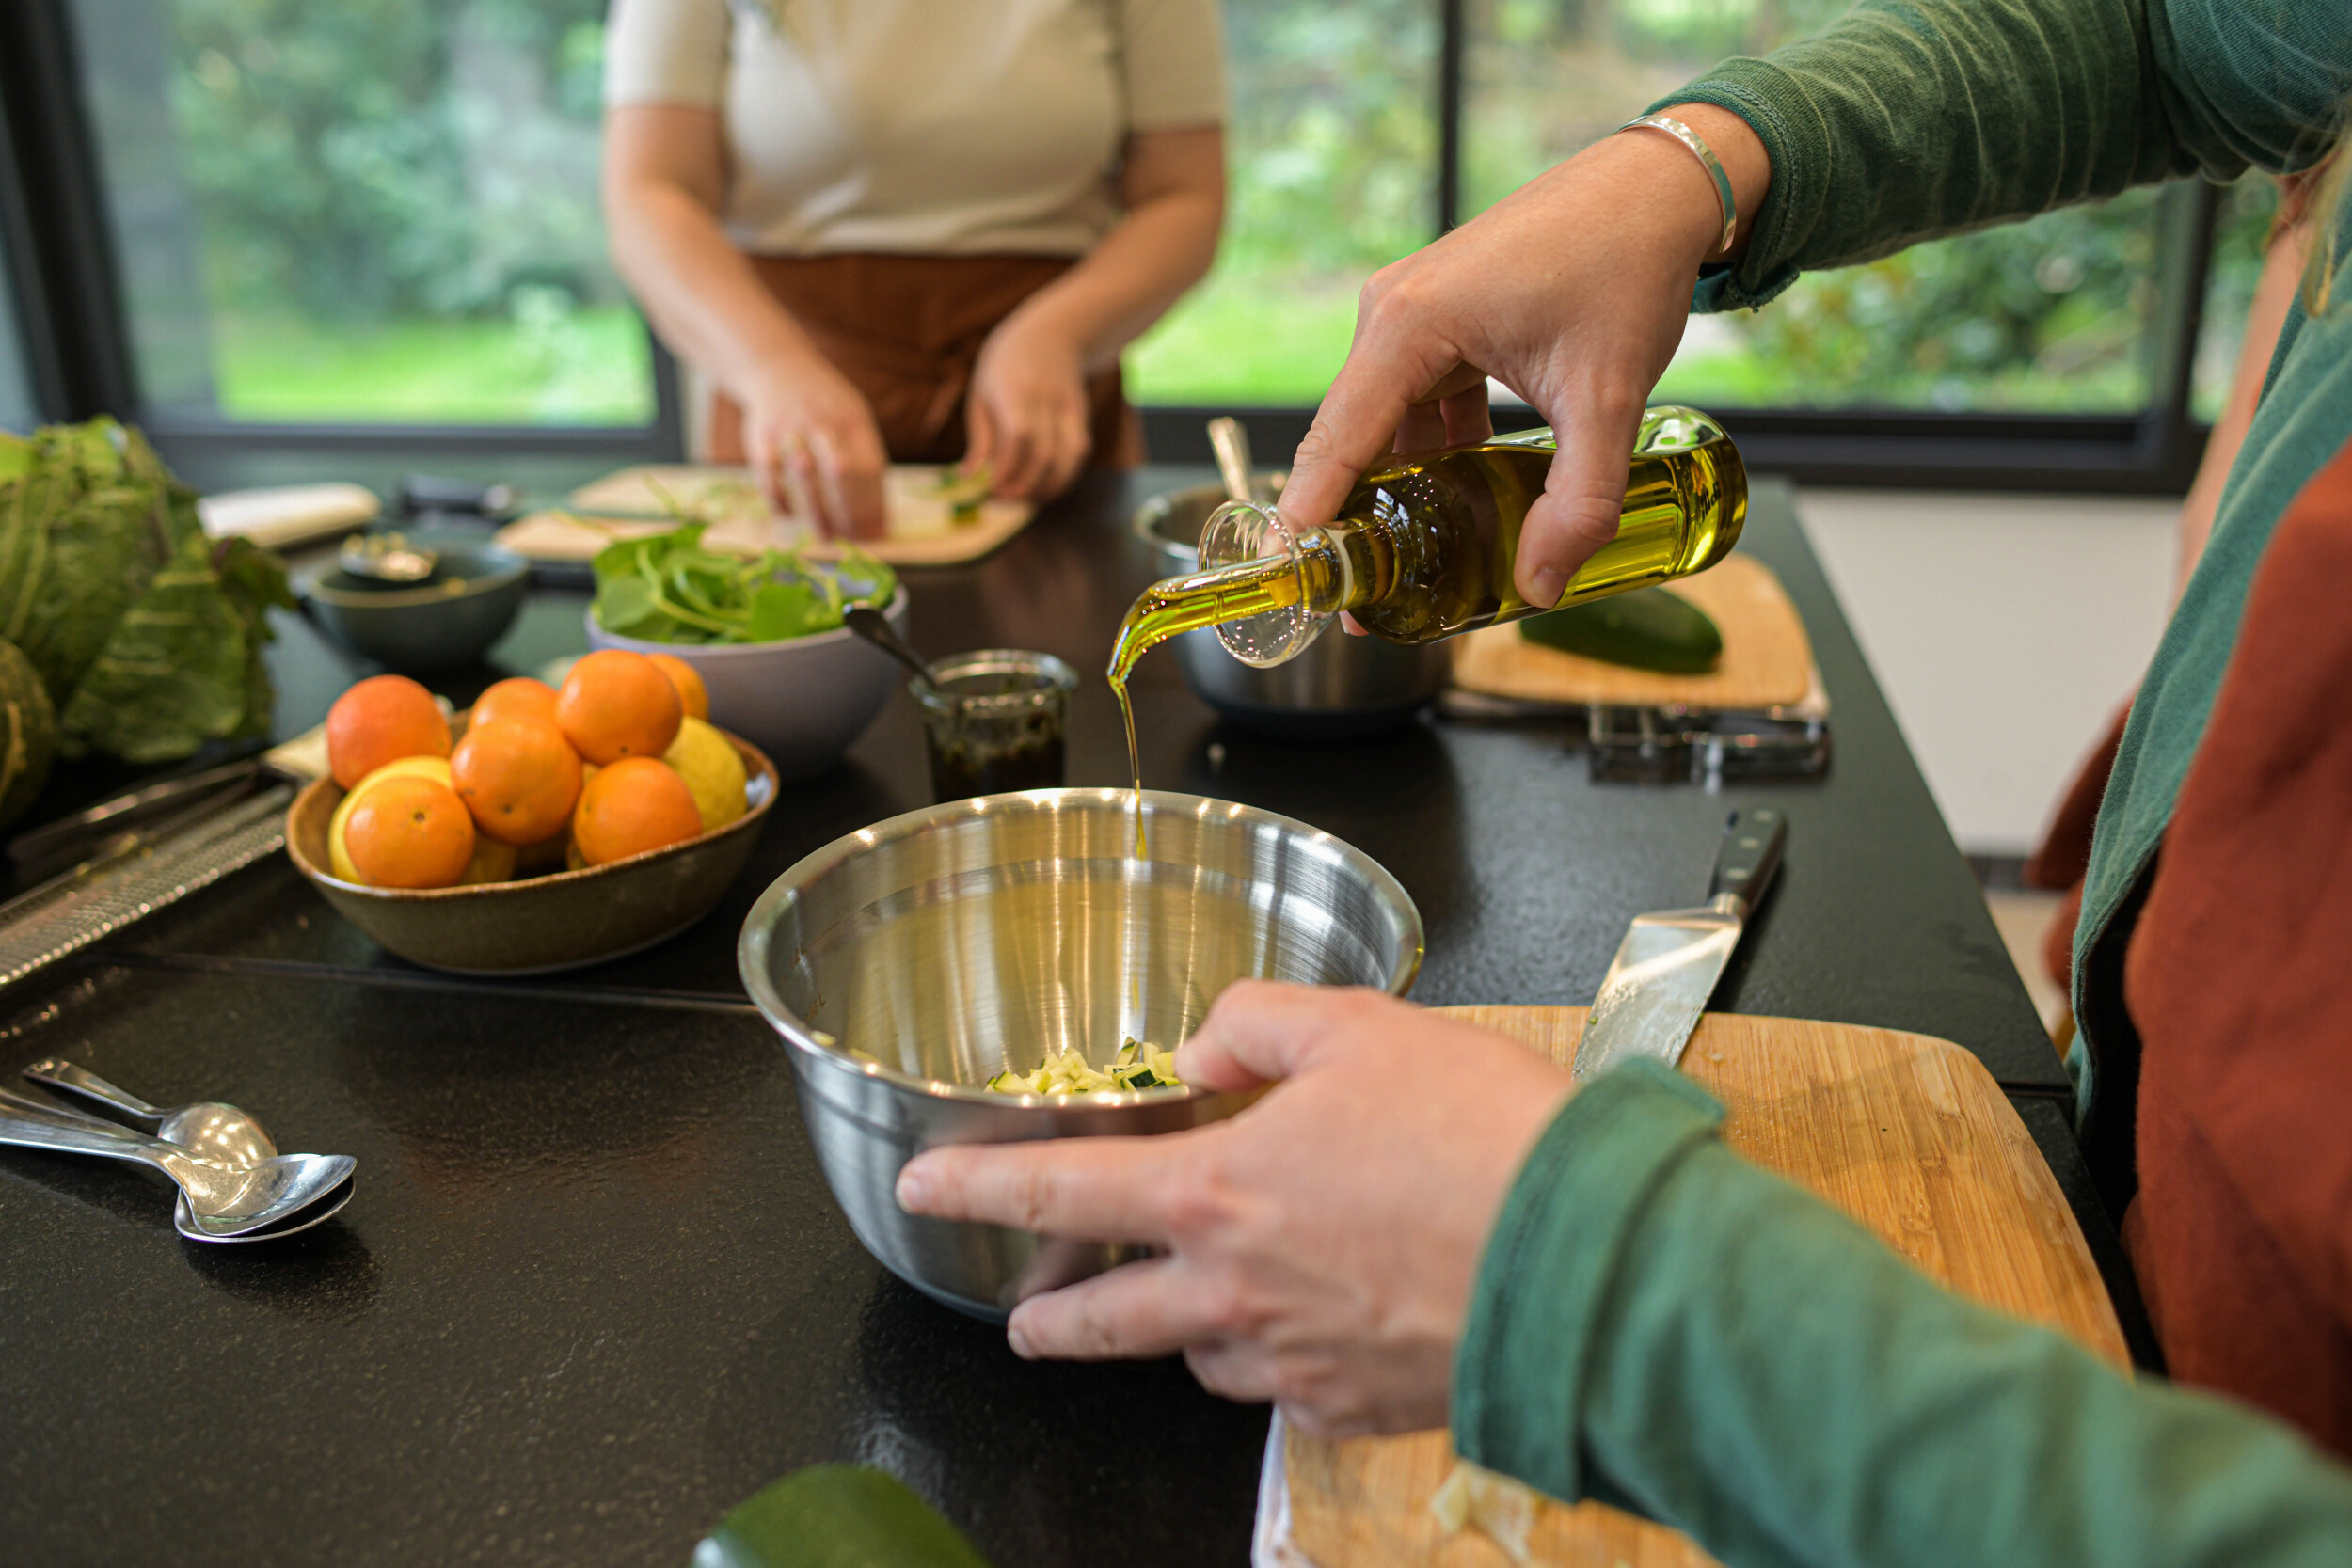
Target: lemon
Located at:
point(532, 860)
point(713, 772)
point(492, 862)
point(338, 858)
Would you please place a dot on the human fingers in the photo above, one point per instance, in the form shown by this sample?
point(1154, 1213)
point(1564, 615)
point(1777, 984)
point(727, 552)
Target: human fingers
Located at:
point(979, 437)
point(1467, 418)
point(1261, 1031)
point(1421, 429)
point(1071, 443)
point(1583, 497)
point(1396, 358)
point(796, 489)
point(1083, 1189)
point(1015, 471)
point(766, 455)
point(1153, 1307)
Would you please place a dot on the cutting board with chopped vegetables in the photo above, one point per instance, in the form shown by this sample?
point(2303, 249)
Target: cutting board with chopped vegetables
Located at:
point(1767, 660)
point(1907, 1134)
point(932, 522)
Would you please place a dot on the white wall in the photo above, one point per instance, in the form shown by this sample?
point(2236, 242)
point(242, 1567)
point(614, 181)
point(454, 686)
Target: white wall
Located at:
point(2005, 629)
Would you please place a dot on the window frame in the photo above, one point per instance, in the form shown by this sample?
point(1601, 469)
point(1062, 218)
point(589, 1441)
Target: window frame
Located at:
point(76, 317)
point(79, 358)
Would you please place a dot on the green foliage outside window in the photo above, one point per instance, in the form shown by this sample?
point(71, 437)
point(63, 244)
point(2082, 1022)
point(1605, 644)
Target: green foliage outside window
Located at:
point(397, 205)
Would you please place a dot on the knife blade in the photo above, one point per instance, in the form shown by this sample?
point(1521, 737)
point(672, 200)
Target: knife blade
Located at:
point(1669, 962)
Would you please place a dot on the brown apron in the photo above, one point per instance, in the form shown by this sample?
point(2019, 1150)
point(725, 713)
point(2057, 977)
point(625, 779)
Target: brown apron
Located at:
point(906, 330)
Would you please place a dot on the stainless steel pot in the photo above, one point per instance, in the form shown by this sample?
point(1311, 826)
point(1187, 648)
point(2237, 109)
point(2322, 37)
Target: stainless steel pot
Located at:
point(906, 964)
point(1340, 687)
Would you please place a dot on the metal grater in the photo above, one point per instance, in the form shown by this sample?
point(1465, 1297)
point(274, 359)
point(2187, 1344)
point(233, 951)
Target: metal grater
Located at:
point(82, 907)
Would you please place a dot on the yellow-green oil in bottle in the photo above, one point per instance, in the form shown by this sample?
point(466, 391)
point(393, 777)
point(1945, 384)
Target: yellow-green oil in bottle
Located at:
point(1424, 547)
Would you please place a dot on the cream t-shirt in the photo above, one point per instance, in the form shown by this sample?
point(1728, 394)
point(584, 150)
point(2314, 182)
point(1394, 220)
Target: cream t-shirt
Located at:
point(960, 127)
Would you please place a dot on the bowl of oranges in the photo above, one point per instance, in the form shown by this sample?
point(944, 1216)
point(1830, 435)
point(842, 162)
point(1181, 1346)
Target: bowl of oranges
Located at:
point(541, 829)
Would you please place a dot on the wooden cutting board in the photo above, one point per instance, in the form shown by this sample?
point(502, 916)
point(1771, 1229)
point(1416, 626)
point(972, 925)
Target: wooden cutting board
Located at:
point(1767, 662)
point(644, 499)
point(1907, 1134)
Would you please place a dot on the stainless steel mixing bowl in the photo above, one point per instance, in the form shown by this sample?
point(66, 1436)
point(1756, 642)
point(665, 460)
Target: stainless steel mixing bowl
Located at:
point(950, 944)
point(1341, 687)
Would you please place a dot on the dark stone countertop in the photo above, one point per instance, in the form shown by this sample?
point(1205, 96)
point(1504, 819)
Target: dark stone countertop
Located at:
point(593, 1290)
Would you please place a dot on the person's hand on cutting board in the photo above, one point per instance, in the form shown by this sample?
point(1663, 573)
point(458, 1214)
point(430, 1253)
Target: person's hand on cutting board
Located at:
point(1026, 412)
point(1572, 292)
point(1296, 1268)
point(814, 447)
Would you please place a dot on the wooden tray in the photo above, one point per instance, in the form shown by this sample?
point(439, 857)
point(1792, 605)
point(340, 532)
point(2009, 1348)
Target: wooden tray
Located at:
point(640, 500)
point(1907, 1134)
point(1768, 661)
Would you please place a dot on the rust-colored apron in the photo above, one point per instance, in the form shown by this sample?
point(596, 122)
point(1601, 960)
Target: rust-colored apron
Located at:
point(906, 330)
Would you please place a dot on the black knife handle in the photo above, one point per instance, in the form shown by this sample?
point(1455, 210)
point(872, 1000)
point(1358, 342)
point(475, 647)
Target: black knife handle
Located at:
point(1753, 839)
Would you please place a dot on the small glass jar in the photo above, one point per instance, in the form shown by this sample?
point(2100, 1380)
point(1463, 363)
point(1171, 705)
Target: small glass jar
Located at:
point(995, 721)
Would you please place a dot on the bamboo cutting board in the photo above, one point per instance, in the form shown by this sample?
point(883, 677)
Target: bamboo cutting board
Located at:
point(644, 499)
point(1905, 1132)
point(1767, 662)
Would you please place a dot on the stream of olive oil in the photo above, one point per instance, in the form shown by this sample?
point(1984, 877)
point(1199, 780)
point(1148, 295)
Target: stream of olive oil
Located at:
point(1166, 610)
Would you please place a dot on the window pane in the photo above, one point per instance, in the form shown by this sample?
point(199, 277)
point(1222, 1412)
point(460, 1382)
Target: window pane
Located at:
point(2239, 230)
point(363, 211)
point(16, 388)
point(2049, 315)
point(1332, 148)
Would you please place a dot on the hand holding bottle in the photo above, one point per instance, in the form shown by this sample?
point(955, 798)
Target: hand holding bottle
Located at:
point(1572, 292)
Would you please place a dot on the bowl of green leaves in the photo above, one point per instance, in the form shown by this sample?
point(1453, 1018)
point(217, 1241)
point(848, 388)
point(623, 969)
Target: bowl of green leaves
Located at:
point(764, 632)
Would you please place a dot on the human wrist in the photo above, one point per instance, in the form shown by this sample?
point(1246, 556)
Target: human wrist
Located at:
point(1740, 154)
point(1549, 1263)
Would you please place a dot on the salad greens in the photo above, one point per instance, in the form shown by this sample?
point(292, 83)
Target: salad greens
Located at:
point(147, 635)
point(667, 588)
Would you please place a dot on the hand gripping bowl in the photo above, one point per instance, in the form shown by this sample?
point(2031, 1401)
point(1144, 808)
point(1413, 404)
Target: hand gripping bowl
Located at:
point(950, 944)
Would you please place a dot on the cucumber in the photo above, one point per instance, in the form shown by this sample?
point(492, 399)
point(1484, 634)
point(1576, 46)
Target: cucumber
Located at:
point(1646, 629)
point(836, 1516)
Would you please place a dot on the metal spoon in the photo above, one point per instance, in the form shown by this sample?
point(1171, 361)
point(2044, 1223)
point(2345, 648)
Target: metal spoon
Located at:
point(1231, 443)
point(386, 558)
point(869, 622)
point(219, 1133)
point(278, 1197)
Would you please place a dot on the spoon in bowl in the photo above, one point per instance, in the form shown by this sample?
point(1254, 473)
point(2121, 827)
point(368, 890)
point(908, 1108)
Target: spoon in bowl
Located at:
point(219, 1133)
point(387, 559)
point(276, 1197)
point(871, 625)
point(1231, 443)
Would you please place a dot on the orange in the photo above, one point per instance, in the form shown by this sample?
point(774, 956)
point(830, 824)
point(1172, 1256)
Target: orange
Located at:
point(516, 697)
point(618, 704)
point(518, 777)
point(383, 719)
point(638, 803)
point(408, 832)
point(689, 681)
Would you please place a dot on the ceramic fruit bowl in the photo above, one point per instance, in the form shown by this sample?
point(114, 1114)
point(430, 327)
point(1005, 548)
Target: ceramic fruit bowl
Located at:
point(560, 920)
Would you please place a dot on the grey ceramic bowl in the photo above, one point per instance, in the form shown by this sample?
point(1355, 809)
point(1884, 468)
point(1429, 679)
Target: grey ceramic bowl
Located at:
point(445, 624)
point(543, 924)
point(804, 702)
point(1340, 687)
point(951, 943)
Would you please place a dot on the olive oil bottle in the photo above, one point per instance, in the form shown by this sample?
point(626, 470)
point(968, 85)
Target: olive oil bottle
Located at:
point(1424, 545)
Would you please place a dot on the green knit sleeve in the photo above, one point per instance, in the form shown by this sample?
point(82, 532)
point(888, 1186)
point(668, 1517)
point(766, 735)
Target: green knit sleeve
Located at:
point(1909, 119)
point(1660, 1325)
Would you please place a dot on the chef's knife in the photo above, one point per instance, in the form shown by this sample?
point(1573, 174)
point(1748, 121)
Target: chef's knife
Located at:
point(1667, 966)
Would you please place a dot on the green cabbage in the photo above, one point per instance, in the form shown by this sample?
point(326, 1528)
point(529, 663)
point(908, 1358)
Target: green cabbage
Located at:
point(147, 636)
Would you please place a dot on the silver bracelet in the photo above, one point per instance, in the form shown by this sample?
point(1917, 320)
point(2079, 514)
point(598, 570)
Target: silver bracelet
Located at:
point(1705, 155)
